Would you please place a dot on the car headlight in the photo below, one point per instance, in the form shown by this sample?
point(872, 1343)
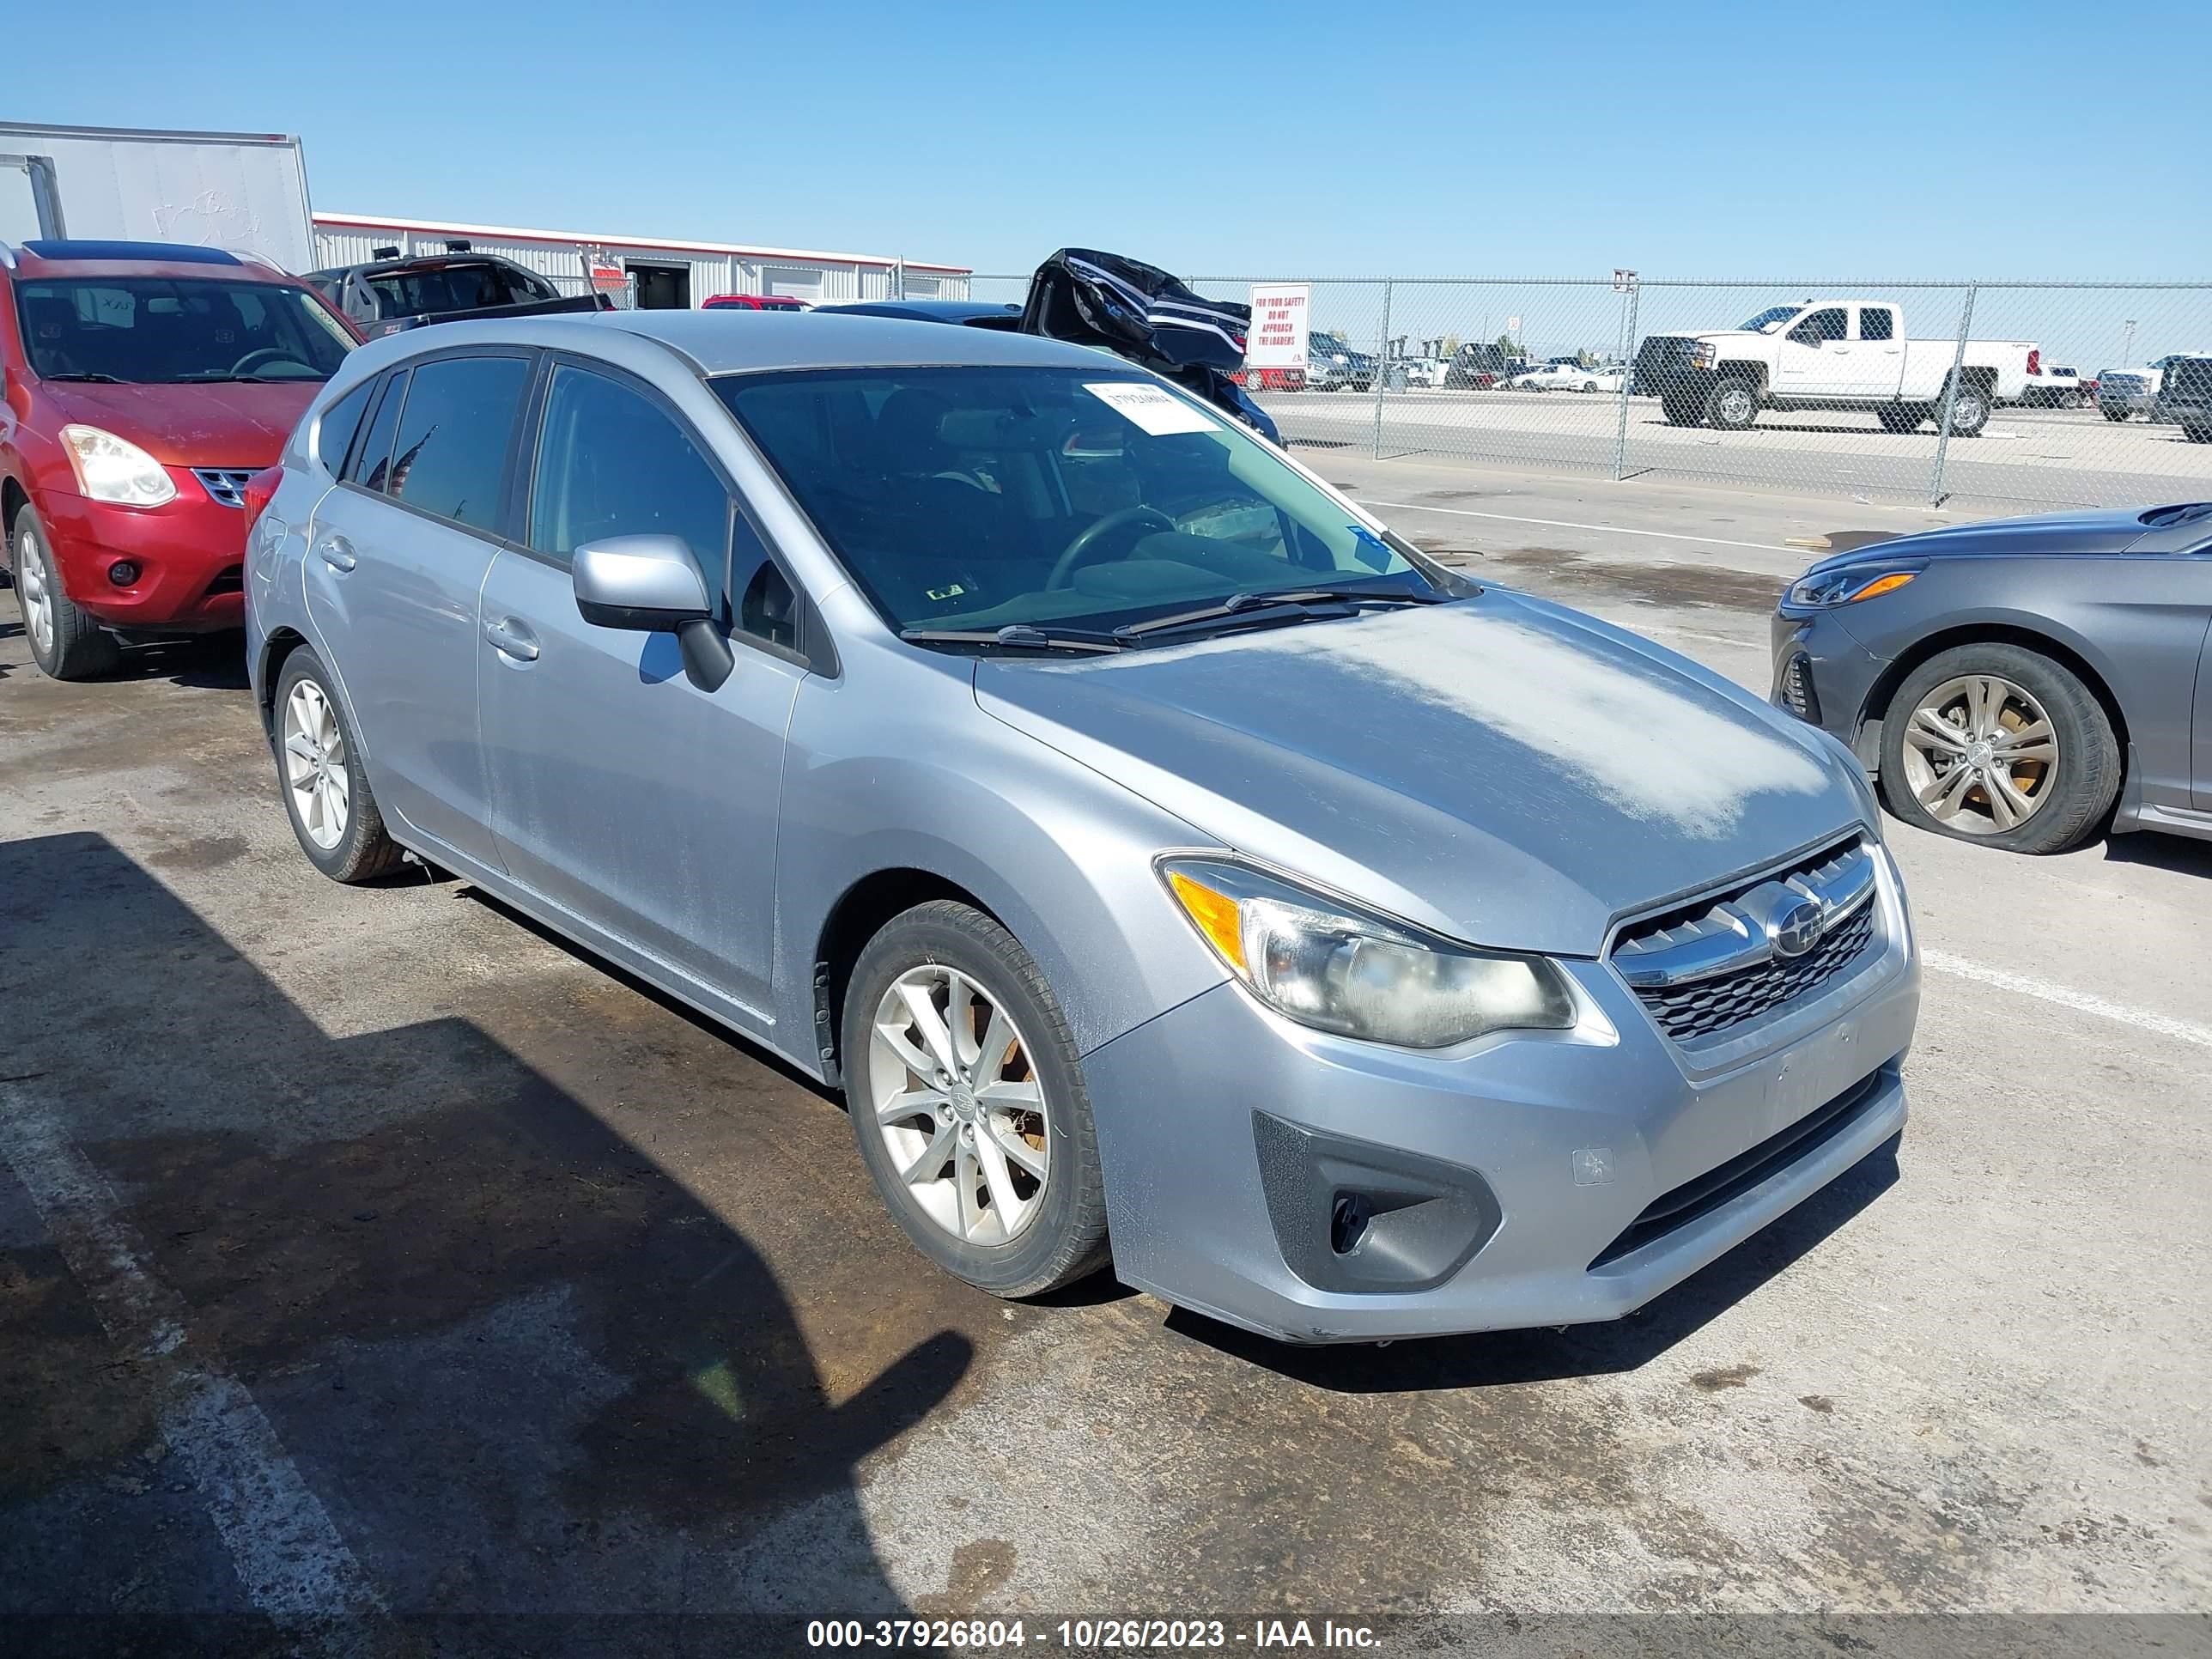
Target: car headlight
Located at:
point(1328, 964)
point(1848, 584)
point(110, 470)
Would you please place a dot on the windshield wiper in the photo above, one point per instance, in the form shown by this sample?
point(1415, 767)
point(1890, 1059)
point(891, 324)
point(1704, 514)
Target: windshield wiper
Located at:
point(95, 379)
point(1016, 636)
point(1298, 605)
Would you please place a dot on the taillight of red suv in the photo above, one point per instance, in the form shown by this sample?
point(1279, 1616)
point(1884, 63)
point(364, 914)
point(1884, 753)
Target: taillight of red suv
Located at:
point(2035, 361)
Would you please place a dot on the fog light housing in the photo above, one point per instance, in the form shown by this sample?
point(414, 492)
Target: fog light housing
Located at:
point(123, 572)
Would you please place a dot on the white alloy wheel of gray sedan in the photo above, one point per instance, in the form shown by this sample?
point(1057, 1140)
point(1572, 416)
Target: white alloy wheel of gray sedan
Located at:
point(1980, 754)
point(315, 768)
point(960, 1107)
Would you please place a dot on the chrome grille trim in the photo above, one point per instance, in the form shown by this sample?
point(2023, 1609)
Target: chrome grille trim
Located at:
point(1747, 928)
point(226, 484)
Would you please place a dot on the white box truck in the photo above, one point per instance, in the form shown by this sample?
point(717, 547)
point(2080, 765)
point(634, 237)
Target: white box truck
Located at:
point(241, 192)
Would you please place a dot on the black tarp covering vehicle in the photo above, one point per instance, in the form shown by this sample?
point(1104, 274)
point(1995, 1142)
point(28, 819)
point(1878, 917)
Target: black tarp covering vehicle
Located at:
point(1150, 317)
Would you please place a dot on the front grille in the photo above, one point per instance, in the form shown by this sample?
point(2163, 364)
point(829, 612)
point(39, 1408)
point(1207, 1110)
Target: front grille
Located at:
point(1680, 1205)
point(1701, 1006)
point(1696, 1010)
point(226, 484)
point(1797, 694)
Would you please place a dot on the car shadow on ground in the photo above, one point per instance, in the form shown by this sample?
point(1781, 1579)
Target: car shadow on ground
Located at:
point(2181, 854)
point(1508, 1357)
point(527, 1373)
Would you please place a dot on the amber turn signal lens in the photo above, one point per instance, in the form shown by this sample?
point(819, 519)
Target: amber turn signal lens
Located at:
point(1879, 585)
point(1216, 914)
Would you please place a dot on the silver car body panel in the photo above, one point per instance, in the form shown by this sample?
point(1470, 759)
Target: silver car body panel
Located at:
point(1473, 768)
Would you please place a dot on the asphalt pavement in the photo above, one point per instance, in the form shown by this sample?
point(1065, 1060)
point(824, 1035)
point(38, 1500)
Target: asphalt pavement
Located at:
point(378, 1271)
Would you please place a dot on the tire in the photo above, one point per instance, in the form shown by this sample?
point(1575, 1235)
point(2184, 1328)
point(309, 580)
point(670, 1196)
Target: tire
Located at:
point(2081, 400)
point(1970, 409)
point(66, 644)
point(359, 850)
point(2072, 785)
point(2110, 413)
point(1902, 418)
point(1589, 386)
point(1060, 1236)
point(1733, 404)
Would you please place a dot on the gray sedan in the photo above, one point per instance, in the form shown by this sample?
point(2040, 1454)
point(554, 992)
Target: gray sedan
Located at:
point(1171, 866)
point(2020, 683)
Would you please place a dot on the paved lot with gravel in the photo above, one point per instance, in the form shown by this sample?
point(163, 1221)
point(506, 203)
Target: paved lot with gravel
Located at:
point(370, 1252)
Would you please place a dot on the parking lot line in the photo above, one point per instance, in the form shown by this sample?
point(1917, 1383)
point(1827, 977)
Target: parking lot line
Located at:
point(289, 1558)
point(1569, 524)
point(2087, 1002)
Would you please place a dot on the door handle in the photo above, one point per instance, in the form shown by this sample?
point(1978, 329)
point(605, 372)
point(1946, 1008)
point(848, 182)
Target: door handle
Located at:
point(510, 638)
point(336, 552)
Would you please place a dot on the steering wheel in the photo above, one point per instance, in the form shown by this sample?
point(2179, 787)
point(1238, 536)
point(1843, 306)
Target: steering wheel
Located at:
point(1152, 518)
point(253, 359)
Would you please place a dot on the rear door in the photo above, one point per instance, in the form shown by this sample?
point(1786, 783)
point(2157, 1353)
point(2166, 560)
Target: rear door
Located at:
point(623, 792)
point(400, 553)
point(1874, 367)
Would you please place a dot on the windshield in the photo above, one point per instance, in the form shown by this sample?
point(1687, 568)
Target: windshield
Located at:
point(1769, 319)
point(973, 499)
point(161, 331)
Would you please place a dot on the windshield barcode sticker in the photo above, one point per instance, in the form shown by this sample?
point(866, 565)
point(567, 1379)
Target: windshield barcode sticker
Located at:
point(1152, 408)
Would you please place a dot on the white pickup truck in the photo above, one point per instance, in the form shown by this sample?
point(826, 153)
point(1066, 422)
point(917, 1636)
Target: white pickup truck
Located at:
point(1831, 354)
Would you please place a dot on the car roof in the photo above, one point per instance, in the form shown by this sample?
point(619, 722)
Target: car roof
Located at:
point(730, 341)
point(50, 258)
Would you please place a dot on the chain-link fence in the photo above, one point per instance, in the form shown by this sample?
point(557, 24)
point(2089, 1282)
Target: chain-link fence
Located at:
point(2040, 393)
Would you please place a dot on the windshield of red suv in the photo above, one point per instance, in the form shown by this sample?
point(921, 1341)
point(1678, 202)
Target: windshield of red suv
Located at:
point(166, 330)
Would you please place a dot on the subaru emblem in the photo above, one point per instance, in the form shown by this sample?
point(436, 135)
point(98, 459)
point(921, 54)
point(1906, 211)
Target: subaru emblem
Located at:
point(1798, 929)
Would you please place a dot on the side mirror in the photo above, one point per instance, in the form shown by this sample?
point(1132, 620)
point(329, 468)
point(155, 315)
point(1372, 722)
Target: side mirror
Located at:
point(650, 584)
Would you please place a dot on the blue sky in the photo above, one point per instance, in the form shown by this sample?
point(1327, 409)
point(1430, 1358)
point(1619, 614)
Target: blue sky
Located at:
point(1952, 138)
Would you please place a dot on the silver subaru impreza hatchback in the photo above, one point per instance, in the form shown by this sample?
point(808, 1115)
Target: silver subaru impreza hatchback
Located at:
point(1173, 867)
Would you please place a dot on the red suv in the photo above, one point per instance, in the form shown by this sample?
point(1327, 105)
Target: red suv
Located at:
point(751, 302)
point(145, 384)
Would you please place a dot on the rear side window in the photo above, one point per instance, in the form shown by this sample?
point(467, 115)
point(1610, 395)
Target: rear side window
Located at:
point(450, 457)
point(341, 423)
point(371, 464)
point(1875, 322)
point(611, 462)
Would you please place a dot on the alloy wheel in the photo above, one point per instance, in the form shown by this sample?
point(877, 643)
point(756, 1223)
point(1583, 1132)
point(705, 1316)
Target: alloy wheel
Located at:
point(1735, 406)
point(315, 765)
point(35, 588)
point(1981, 756)
point(959, 1104)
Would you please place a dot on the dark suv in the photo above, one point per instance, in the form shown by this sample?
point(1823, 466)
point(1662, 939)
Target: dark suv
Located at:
point(386, 295)
point(2185, 396)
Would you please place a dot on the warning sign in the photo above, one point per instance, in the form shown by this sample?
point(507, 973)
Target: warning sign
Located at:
point(1278, 339)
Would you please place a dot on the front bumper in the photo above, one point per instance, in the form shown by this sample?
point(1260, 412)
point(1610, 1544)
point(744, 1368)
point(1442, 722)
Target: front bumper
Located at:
point(1825, 677)
point(1511, 1183)
point(189, 552)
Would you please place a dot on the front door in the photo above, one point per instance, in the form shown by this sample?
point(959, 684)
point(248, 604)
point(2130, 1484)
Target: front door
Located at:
point(399, 552)
point(621, 791)
point(1814, 358)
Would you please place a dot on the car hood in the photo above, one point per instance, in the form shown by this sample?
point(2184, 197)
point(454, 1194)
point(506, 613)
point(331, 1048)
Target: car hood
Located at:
point(1500, 770)
point(229, 423)
point(2042, 535)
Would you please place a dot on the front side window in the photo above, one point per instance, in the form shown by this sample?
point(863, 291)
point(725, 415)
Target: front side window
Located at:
point(1821, 326)
point(450, 456)
point(977, 498)
point(161, 331)
point(612, 462)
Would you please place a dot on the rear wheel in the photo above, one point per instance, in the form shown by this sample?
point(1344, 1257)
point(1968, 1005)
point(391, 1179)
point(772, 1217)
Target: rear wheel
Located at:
point(1733, 404)
point(1970, 411)
point(968, 1102)
point(65, 643)
point(326, 793)
point(1993, 743)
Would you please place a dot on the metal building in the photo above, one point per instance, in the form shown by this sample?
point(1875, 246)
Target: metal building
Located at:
point(656, 274)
